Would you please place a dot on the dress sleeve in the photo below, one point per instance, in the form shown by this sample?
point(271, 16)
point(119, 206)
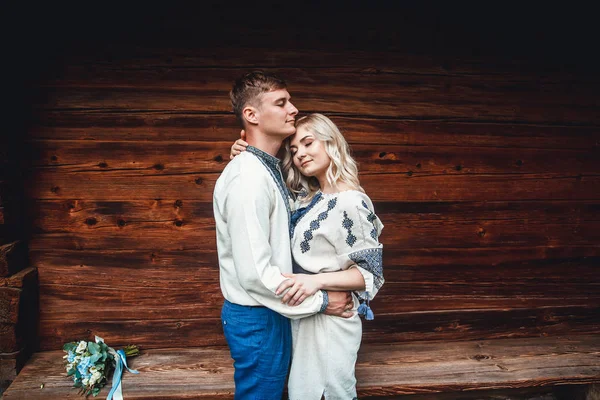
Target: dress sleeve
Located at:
point(359, 243)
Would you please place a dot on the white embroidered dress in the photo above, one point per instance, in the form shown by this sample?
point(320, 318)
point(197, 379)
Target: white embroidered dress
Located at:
point(335, 232)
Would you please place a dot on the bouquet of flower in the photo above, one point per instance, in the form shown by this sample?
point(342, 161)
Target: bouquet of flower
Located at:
point(90, 363)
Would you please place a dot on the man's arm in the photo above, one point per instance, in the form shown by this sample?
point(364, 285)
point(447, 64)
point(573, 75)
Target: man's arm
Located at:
point(247, 210)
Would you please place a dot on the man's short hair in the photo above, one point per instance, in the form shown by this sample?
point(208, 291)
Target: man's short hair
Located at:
point(248, 88)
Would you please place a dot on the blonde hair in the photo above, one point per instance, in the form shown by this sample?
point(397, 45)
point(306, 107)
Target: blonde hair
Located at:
point(342, 167)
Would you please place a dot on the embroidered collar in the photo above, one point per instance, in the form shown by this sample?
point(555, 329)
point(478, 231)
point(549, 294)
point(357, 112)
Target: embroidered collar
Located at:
point(265, 157)
point(273, 166)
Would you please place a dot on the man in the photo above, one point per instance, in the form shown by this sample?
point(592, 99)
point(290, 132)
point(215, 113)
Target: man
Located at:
point(252, 213)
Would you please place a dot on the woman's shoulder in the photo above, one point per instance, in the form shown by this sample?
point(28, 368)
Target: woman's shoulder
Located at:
point(352, 197)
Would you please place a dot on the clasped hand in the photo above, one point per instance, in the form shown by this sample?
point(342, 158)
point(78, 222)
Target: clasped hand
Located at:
point(300, 287)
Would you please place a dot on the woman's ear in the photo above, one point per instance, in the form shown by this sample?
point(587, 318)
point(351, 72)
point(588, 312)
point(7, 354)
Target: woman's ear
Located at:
point(250, 115)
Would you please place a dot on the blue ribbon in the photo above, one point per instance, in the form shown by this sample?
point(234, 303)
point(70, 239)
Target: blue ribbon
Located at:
point(120, 361)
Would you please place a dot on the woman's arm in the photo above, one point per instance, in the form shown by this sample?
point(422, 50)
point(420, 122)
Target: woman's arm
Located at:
point(303, 285)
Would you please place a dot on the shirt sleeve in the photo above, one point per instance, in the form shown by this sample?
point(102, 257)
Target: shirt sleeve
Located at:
point(358, 240)
point(247, 212)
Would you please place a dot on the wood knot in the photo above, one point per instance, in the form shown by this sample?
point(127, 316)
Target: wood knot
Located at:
point(418, 165)
point(55, 189)
point(121, 223)
point(409, 173)
point(102, 164)
point(481, 232)
point(198, 181)
point(519, 163)
point(178, 223)
point(91, 221)
point(152, 257)
point(158, 167)
point(178, 325)
point(178, 204)
point(382, 154)
point(218, 158)
point(54, 158)
point(458, 167)
point(479, 357)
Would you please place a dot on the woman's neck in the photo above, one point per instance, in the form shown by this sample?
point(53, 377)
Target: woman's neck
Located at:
point(328, 188)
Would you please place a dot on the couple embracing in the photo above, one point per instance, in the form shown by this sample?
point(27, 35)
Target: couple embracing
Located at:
point(298, 249)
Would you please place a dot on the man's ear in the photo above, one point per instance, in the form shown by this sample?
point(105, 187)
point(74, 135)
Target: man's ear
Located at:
point(250, 115)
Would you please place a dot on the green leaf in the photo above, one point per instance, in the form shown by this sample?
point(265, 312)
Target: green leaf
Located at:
point(71, 371)
point(71, 346)
point(93, 348)
point(95, 391)
point(95, 357)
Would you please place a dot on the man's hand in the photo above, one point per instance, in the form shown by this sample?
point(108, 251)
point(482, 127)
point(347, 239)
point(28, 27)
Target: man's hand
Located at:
point(340, 304)
point(239, 145)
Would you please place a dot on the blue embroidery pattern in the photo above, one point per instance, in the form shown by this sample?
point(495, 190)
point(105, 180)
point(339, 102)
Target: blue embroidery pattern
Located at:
point(347, 224)
point(372, 261)
point(371, 218)
point(316, 224)
point(272, 165)
point(301, 212)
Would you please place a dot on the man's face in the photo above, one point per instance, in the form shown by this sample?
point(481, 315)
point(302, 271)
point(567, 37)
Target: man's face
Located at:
point(276, 114)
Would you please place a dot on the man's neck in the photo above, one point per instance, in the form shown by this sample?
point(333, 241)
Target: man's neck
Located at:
point(268, 144)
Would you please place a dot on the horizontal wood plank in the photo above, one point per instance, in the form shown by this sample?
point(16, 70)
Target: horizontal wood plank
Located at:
point(403, 327)
point(181, 126)
point(381, 370)
point(146, 158)
point(337, 91)
point(193, 300)
point(127, 185)
point(372, 60)
point(175, 223)
point(407, 258)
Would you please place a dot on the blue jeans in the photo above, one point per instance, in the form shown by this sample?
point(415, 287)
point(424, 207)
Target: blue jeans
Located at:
point(260, 342)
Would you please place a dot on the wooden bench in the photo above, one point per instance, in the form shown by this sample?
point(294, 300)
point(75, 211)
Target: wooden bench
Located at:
point(383, 370)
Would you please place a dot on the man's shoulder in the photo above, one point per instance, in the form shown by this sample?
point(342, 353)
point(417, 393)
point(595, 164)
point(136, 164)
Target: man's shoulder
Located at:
point(244, 167)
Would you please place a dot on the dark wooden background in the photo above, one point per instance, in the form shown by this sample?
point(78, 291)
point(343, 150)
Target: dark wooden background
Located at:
point(476, 128)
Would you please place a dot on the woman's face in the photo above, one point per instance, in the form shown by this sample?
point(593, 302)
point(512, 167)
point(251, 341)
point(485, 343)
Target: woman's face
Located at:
point(308, 154)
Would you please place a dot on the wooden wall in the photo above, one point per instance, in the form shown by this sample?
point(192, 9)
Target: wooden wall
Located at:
point(482, 160)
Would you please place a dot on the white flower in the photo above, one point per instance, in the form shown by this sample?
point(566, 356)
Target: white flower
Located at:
point(93, 369)
point(85, 381)
point(81, 347)
point(95, 377)
point(69, 367)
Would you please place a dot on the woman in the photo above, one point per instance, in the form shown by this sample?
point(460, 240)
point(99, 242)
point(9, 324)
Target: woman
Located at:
point(335, 247)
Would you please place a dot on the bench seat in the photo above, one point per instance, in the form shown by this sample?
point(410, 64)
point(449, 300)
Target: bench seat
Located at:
point(382, 369)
